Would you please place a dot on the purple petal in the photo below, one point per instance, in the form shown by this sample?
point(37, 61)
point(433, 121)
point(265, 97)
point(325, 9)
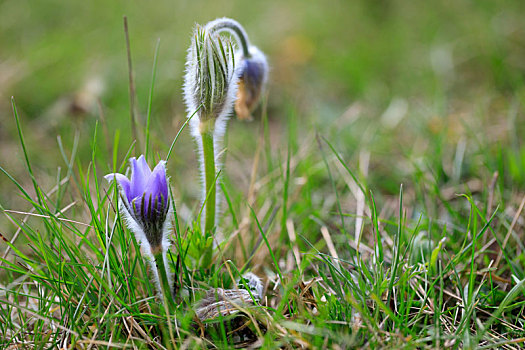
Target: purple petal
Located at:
point(138, 205)
point(140, 173)
point(144, 166)
point(157, 184)
point(122, 180)
point(253, 72)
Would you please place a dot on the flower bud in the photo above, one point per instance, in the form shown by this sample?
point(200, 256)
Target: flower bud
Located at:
point(211, 79)
point(252, 81)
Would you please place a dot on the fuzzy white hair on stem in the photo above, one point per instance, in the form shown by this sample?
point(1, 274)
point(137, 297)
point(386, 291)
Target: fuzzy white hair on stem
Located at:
point(210, 88)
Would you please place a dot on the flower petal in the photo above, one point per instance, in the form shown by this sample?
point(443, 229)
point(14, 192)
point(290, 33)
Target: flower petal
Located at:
point(157, 184)
point(140, 173)
point(122, 180)
point(147, 199)
point(144, 166)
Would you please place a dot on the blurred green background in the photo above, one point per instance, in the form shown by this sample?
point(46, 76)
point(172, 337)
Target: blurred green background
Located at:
point(421, 89)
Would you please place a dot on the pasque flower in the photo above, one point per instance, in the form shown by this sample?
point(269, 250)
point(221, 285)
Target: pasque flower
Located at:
point(145, 201)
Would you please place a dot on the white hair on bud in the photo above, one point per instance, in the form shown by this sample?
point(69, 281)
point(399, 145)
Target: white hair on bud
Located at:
point(231, 26)
point(190, 86)
point(145, 246)
point(166, 243)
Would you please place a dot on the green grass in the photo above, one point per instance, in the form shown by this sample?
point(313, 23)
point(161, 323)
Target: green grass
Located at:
point(378, 193)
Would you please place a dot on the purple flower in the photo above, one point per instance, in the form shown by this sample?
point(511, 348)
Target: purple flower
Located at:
point(145, 199)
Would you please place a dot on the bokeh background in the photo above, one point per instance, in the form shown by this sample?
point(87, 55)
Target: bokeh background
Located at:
point(429, 94)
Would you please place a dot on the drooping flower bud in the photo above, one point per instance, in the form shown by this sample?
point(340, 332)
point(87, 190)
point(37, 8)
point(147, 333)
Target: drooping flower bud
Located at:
point(252, 82)
point(253, 67)
point(145, 202)
point(211, 77)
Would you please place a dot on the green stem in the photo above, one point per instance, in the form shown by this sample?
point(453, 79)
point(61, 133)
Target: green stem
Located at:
point(163, 280)
point(167, 296)
point(211, 192)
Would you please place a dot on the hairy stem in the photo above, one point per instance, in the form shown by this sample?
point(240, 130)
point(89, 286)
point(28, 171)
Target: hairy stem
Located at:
point(163, 280)
point(167, 296)
point(210, 186)
point(233, 27)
